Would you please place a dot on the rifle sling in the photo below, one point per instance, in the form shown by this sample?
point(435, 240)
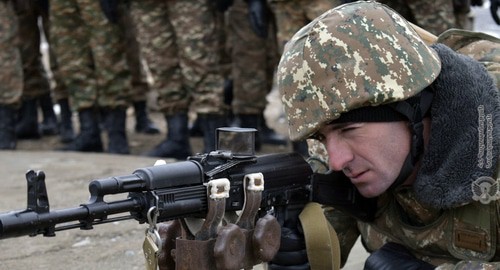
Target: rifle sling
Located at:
point(323, 248)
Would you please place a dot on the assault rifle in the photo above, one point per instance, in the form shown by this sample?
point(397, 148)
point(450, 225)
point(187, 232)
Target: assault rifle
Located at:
point(200, 197)
point(214, 210)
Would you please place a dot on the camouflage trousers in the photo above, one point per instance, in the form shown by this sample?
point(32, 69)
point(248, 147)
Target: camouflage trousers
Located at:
point(294, 14)
point(59, 90)
point(90, 54)
point(178, 40)
point(11, 72)
point(36, 81)
point(139, 82)
point(434, 16)
point(253, 61)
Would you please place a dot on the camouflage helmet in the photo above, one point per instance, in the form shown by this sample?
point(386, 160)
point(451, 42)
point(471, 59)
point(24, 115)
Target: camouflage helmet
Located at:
point(355, 55)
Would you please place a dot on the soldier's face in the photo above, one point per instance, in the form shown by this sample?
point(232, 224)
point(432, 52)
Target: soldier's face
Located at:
point(370, 154)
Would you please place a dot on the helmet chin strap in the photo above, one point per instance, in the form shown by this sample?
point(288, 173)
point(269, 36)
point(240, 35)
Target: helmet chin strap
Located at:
point(414, 109)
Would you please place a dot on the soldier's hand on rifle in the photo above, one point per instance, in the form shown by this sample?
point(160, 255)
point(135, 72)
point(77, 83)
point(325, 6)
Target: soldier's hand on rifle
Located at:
point(494, 10)
point(223, 5)
point(258, 16)
point(292, 254)
point(110, 9)
point(394, 256)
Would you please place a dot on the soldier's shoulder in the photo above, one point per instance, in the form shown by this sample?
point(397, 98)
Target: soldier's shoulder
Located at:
point(469, 42)
point(480, 46)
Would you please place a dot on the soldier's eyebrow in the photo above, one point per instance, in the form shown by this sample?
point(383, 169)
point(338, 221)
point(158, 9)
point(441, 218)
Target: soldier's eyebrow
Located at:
point(331, 126)
point(336, 126)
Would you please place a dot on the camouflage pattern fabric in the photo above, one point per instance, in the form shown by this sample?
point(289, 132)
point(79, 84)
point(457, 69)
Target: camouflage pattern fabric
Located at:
point(90, 54)
point(179, 42)
point(59, 89)
point(11, 72)
point(139, 81)
point(329, 68)
point(224, 45)
point(430, 234)
point(36, 81)
point(435, 16)
point(254, 60)
point(467, 265)
point(291, 15)
point(480, 46)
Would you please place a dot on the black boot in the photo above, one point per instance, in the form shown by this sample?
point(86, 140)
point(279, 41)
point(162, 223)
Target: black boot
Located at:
point(142, 122)
point(251, 121)
point(66, 127)
point(27, 123)
point(177, 144)
point(89, 139)
point(117, 136)
point(49, 124)
point(7, 127)
point(195, 129)
point(209, 124)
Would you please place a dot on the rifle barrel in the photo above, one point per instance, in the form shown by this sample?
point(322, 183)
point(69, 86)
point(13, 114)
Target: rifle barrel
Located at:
point(27, 222)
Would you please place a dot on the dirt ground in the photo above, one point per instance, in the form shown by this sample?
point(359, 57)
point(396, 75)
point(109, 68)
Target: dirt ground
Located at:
point(116, 245)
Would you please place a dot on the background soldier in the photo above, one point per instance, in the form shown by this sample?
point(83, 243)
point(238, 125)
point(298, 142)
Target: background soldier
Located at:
point(252, 43)
point(11, 75)
point(140, 86)
point(91, 57)
point(36, 91)
point(179, 42)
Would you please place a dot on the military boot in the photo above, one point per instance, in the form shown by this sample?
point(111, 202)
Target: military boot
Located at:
point(7, 127)
point(209, 124)
point(142, 122)
point(117, 135)
point(66, 132)
point(27, 123)
point(195, 129)
point(177, 144)
point(49, 124)
point(89, 138)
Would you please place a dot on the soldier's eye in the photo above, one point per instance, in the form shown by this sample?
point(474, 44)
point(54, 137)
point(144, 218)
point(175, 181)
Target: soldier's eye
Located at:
point(347, 129)
point(350, 127)
point(318, 136)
